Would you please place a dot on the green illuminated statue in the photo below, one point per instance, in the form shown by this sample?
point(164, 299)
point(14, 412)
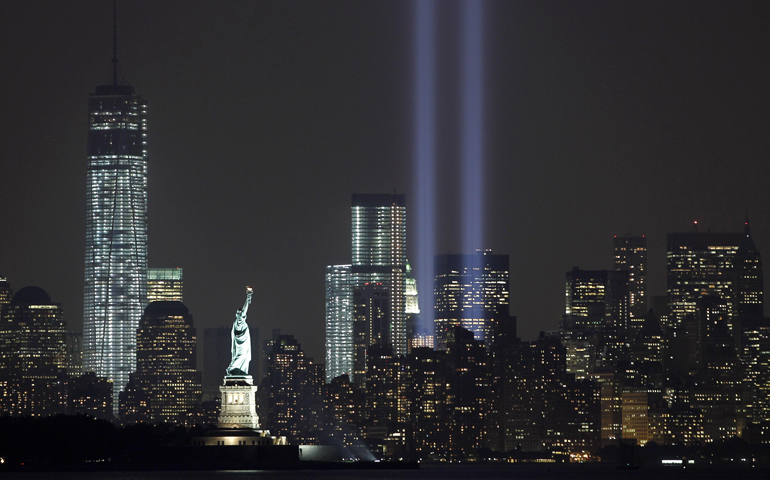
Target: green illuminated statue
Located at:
point(241, 341)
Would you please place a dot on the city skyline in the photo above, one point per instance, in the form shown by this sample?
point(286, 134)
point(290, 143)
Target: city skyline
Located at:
point(601, 120)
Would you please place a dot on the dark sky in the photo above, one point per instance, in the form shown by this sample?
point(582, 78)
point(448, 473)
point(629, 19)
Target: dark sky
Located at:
point(602, 118)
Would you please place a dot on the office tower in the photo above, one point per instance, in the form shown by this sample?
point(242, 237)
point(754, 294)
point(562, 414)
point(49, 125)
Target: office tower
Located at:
point(595, 319)
point(339, 322)
point(291, 389)
point(166, 365)
point(596, 299)
point(165, 284)
point(427, 390)
point(342, 409)
point(371, 325)
point(5, 292)
point(631, 255)
point(216, 358)
point(379, 253)
point(468, 392)
point(387, 405)
point(546, 406)
point(699, 264)
point(116, 230)
point(470, 291)
point(33, 355)
point(748, 290)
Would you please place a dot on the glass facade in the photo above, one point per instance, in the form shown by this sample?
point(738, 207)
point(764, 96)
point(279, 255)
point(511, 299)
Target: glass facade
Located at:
point(379, 253)
point(165, 284)
point(116, 232)
point(339, 322)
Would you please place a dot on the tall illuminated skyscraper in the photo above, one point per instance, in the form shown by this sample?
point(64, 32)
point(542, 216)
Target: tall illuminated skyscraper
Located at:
point(116, 230)
point(630, 254)
point(470, 291)
point(167, 366)
point(700, 264)
point(339, 322)
point(379, 254)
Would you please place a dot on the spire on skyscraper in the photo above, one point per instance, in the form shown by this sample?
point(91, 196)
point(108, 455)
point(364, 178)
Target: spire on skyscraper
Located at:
point(114, 43)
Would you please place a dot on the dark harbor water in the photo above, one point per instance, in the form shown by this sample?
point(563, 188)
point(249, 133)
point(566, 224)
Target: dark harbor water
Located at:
point(432, 472)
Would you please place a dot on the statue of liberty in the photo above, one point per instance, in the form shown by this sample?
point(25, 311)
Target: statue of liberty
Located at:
point(241, 341)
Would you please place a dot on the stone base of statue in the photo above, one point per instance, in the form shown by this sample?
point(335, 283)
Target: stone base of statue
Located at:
point(238, 423)
point(239, 405)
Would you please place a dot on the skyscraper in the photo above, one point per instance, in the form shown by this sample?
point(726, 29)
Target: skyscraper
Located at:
point(116, 230)
point(33, 353)
point(630, 254)
point(339, 322)
point(379, 253)
point(596, 299)
point(371, 325)
point(165, 284)
point(166, 361)
point(748, 290)
point(470, 291)
point(699, 264)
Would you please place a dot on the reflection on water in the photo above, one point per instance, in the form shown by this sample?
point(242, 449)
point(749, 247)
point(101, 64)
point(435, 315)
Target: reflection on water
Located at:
point(432, 472)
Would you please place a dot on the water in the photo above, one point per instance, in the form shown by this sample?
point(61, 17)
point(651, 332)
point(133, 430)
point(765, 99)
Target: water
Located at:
point(432, 472)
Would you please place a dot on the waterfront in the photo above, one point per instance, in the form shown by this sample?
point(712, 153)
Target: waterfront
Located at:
point(433, 472)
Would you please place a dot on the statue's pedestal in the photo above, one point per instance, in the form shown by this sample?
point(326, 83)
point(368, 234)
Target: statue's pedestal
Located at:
point(239, 406)
point(238, 423)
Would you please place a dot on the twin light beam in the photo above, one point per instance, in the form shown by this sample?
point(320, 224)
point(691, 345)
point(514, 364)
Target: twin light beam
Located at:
point(472, 148)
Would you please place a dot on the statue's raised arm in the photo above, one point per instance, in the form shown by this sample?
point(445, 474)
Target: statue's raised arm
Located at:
point(241, 340)
point(249, 293)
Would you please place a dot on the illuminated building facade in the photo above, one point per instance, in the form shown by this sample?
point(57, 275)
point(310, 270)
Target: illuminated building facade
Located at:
point(342, 411)
point(470, 291)
point(339, 322)
point(371, 325)
point(467, 392)
point(412, 300)
point(167, 363)
point(165, 284)
point(428, 402)
point(379, 253)
point(387, 403)
point(6, 293)
point(596, 299)
point(33, 355)
point(630, 254)
point(291, 390)
point(699, 264)
point(116, 231)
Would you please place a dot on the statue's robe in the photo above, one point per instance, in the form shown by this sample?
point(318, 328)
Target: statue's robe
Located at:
point(240, 350)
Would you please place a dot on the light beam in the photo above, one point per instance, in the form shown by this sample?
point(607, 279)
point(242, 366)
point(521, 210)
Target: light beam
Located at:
point(425, 156)
point(472, 113)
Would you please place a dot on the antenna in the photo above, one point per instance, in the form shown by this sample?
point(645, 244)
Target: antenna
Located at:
point(114, 43)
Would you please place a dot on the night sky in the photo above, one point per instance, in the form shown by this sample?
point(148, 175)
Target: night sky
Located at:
point(602, 118)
